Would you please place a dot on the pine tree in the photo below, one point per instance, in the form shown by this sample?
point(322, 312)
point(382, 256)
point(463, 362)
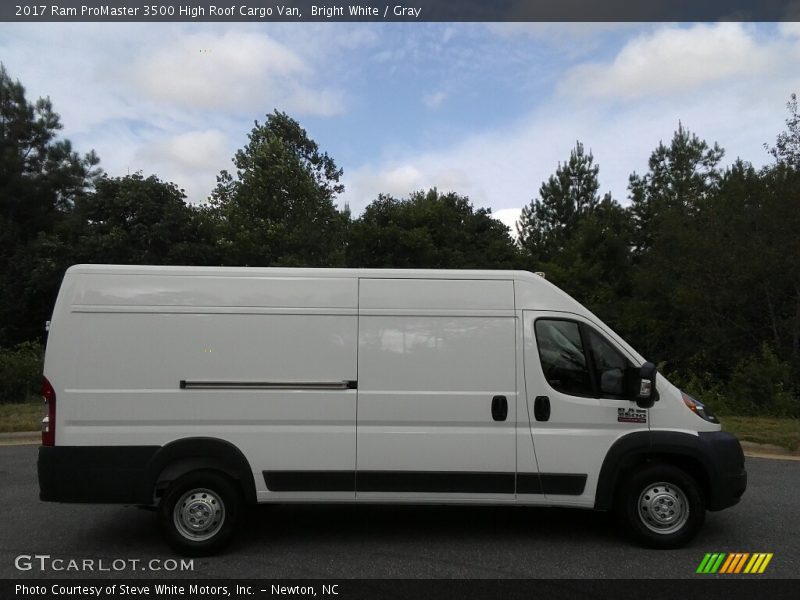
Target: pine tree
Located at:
point(549, 221)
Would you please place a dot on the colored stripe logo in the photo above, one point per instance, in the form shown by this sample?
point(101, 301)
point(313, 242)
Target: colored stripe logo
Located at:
point(734, 563)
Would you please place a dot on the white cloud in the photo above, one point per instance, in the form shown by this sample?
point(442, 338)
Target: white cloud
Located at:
point(435, 99)
point(194, 150)
point(509, 217)
point(558, 32)
point(500, 169)
point(672, 60)
point(233, 71)
point(790, 29)
point(568, 39)
point(191, 159)
point(365, 183)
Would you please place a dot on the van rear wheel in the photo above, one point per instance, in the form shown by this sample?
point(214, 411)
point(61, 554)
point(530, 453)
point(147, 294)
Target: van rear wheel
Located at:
point(198, 513)
point(660, 506)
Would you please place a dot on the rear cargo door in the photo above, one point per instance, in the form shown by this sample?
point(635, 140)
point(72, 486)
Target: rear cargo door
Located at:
point(437, 397)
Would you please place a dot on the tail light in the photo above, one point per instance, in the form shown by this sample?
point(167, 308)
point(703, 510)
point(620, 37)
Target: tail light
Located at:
point(49, 420)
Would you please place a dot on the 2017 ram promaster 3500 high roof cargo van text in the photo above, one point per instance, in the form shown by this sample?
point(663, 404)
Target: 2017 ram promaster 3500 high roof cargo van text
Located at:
point(199, 390)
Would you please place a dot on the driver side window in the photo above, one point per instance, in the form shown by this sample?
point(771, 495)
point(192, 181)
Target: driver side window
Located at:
point(563, 360)
point(579, 361)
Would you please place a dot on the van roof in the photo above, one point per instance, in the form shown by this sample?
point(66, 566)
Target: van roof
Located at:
point(302, 272)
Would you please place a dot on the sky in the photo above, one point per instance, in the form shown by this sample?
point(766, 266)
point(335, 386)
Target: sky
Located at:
point(484, 110)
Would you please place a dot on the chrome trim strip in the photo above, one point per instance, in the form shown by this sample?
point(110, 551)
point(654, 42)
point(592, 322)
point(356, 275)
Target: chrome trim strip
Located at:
point(268, 385)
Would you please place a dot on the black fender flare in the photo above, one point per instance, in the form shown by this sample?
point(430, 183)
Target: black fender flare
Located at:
point(640, 447)
point(190, 454)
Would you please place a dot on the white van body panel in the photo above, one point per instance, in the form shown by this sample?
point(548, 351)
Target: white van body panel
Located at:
point(381, 383)
point(426, 379)
point(140, 334)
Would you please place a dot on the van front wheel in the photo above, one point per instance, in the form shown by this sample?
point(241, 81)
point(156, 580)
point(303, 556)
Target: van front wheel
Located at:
point(661, 506)
point(198, 513)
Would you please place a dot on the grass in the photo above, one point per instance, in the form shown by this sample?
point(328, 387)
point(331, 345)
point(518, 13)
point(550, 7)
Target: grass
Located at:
point(27, 416)
point(765, 430)
point(22, 416)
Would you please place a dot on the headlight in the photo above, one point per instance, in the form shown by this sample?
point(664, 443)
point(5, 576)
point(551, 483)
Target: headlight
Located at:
point(698, 408)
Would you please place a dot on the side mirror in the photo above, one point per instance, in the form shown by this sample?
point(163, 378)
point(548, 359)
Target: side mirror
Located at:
point(645, 393)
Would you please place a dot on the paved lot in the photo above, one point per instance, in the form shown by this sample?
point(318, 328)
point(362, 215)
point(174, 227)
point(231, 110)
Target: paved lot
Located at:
point(404, 542)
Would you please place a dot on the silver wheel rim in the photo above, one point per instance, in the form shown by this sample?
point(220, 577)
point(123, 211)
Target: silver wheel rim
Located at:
point(663, 508)
point(199, 514)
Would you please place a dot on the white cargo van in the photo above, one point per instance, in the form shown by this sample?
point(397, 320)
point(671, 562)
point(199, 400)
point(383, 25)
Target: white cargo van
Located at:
point(199, 390)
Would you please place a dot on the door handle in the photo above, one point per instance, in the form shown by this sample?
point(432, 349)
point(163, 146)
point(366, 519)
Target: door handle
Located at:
point(541, 408)
point(499, 408)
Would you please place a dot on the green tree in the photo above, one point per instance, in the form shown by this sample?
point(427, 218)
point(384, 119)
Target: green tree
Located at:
point(781, 246)
point(761, 384)
point(279, 208)
point(667, 205)
point(40, 174)
point(20, 372)
point(138, 220)
point(429, 230)
point(594, 265)
point(41, 177)
point(787, 147)
point(701, 272)
point(549, 221)
point(680, 176)
point(718, 278)
point(580, 240)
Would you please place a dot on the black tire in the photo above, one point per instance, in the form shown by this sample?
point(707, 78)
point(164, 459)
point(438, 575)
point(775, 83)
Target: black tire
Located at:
point(660, 506)
point(198, 513)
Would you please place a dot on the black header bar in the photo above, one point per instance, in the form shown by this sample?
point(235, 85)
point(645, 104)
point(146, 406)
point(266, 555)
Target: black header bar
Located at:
point(288, 11)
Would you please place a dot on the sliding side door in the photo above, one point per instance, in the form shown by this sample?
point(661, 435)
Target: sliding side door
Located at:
point(437, 399)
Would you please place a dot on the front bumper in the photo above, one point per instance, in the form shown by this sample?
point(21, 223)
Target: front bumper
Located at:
point(727, 474)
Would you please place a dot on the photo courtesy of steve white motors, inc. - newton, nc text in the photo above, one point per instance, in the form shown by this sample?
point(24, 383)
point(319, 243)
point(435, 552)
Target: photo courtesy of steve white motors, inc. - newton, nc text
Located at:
point(407, 300)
